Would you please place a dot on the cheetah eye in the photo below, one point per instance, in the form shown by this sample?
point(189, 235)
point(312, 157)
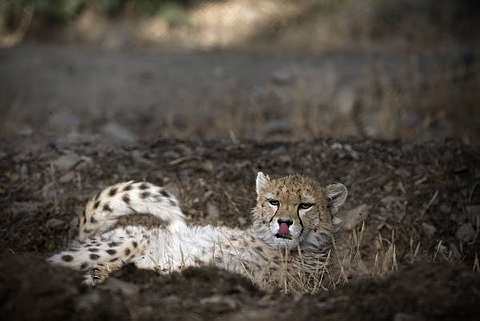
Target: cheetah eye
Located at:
point(305, 206)
point(274, 202)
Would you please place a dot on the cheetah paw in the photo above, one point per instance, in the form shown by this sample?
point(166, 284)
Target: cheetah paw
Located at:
point(94, 277)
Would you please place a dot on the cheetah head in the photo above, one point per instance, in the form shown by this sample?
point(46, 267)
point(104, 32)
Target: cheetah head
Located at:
point(295, 210)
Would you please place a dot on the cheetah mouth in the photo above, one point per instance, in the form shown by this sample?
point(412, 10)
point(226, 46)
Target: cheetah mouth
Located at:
point(283, 236)
point(283, 231)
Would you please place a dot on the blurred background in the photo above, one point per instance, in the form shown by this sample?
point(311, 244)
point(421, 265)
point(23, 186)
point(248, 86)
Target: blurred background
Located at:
point(128, 70)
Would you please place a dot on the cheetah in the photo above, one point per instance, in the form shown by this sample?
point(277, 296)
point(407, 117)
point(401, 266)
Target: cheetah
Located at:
point(143, 224)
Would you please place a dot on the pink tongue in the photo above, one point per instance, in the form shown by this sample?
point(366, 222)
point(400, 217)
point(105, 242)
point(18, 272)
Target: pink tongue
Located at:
point(283, 229)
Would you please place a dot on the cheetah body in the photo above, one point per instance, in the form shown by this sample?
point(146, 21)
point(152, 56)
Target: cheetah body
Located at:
point(141, 223)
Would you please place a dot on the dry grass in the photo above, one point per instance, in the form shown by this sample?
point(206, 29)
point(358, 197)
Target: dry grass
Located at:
point(351, 259)
point(294, 275)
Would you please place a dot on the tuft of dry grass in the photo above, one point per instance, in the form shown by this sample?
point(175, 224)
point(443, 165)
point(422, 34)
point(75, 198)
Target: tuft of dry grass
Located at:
point(350, 258)
point(296, 275)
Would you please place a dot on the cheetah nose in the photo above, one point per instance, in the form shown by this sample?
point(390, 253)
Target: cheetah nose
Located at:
point(283, 227)
point(282, 221)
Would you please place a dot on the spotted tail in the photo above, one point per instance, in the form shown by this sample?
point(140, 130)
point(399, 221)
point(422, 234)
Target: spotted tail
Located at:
point(128, 198)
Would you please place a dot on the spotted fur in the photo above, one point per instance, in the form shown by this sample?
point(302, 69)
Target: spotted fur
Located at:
point(124, 199)
point(140, 223)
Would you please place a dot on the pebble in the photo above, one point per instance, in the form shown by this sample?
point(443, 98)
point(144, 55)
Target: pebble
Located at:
point(407, 317)
point(282, 77)
point(117, 285)
point(119, 134)
point(55, 223)
point(242, 221)
point(67, 161)
point(465, 232)
point(212, 210)
point(429, 229)
point(219, 303)
point(474, 210)
point(445, 209)
point(64, 122)
point(68, 177)
point(207, 166)
point(276, 126)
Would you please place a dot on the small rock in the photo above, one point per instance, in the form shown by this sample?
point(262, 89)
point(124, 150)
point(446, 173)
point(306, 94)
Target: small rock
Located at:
point(395, 207)
point(220, 303)
point(407, 317)
point(389, 200)
point(74, 222)
point(282, 77)
point(277, 127)
point(55, 223)
point(24, 171)
point(445, 209)
point(64, 122)
point(336, 146)
point(241, 220)
point(212, 210)
point(119, 286)
point(170, 154)
point(25, 131)
point(207, 195)
point(353, 153)
point(119, 133)
point(184, 149)
point(280, 150)
point(68, 177)
point(428, 229)
point(465, 233)
point(25, 207)
point(344, 100)
point(337, 220)
point(454, 251)
point(345, 151)
point(74, 137)
point(284, 159)
point(86, 161)
point(140, 158)
point(207, 166)
point(474, 210)
point(355, 216)
point(66, 162)
point(88, 301)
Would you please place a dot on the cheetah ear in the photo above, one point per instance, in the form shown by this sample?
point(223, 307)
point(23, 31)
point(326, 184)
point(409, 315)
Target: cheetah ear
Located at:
point(262, 181)
point(336, 194)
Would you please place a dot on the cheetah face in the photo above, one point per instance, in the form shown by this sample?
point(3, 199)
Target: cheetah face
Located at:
point(294, 208)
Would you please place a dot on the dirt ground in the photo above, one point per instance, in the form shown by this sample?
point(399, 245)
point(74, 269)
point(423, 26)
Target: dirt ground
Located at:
point(426, 193)
point(129, 94)
point(75, 119)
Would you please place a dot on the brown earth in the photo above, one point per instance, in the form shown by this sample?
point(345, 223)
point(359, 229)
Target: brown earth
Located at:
point(426, 193)
point(128, 94)
point(76, 119)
